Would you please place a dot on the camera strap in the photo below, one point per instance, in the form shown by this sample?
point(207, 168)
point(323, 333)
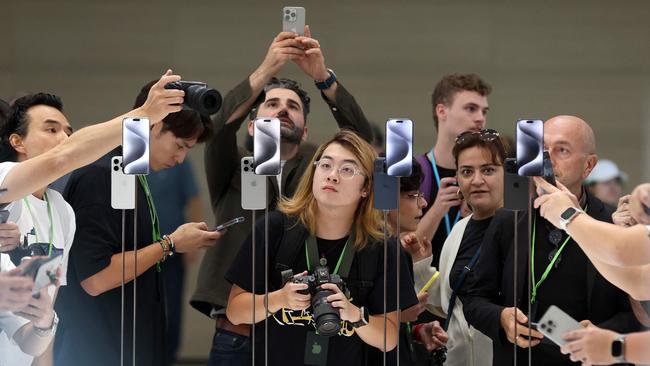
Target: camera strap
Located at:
point(49, 215)
point(345, 259)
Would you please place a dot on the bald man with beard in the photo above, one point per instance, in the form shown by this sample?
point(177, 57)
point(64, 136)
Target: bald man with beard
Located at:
point(571, 281)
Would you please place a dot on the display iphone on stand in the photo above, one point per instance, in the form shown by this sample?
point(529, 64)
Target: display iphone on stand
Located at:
point(530, 147)
point(135, 145)
point(266, 146)
point(399, 147)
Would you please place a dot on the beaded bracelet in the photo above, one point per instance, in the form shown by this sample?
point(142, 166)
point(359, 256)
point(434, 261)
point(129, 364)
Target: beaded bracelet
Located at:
point(171, 244)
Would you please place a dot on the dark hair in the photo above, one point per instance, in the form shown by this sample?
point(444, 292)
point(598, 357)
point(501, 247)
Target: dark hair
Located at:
point(414, 181)
point(446, 89)
point(284, 83)
point(16, 120)
point(185, 124)
point(495, 147)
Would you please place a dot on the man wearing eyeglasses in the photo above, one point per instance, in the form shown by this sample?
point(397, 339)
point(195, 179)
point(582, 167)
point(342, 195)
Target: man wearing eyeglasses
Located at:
point(559, 272)
point(263, 95)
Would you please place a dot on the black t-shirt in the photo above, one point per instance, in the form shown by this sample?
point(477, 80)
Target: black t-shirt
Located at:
point(288, 329)
point(472, 239)
point(89, 328)
point(441, 234)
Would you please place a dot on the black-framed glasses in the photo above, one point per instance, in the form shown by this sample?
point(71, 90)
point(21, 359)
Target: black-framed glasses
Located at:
point(487, 134)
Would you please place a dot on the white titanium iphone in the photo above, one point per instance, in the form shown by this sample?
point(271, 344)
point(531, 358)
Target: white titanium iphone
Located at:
point(122, 186)
point(293, 19)
point(555, 323)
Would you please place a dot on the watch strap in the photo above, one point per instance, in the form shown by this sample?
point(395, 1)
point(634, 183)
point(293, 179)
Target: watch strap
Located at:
point(325, 84)
point(364, 320)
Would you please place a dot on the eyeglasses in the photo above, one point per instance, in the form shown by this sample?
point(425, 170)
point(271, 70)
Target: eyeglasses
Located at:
point(346, 171)
point(415, 196)
point(487, 135)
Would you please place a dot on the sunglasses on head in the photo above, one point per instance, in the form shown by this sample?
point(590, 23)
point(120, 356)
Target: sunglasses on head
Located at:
point(487, 134)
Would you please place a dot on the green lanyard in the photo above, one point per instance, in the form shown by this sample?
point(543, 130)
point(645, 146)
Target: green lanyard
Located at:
point(338, 264)
point(49, 214)
point(537, 284)
point(155, 224)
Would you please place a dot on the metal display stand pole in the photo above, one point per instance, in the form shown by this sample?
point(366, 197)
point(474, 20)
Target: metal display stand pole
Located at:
point(123, 288)
point(135, 268)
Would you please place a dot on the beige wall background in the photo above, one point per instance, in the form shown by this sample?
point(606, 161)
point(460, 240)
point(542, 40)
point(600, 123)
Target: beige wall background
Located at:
point(588, 58)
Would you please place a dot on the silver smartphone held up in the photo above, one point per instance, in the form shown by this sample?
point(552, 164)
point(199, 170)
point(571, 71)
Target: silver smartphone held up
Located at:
point(229, 223)
point(555, 323)
point(293, 19)
point(399, 147)
point(266, 146)
point(253, 186)
point(135, 145)
point(122, 186)
point(530, 147)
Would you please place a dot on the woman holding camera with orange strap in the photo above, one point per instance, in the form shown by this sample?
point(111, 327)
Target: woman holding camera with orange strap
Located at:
point(332, 213)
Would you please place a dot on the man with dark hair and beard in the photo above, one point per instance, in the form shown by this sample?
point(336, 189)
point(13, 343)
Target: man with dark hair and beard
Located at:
point(263, 95)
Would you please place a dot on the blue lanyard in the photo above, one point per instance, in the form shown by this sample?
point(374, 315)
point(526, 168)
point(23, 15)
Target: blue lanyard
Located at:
point(448, 224)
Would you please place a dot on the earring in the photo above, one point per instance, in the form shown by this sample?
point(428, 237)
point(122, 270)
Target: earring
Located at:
point(460, 194)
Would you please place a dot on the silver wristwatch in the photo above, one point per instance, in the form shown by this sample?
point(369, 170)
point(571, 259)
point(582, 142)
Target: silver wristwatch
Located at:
point(43, 333)
point(568, 215)
point(618, 349)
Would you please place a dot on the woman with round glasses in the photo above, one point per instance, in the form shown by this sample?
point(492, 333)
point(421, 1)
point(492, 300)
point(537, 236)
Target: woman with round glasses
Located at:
point(479, 159)
point(329, 223)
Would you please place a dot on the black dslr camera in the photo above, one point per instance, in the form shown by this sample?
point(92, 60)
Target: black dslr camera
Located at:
point(198, 96)
point(326, 317)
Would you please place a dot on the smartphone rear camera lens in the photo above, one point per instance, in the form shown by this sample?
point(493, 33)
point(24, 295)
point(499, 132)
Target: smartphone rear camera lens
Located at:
point(245, 169)
point(116, 168)
point(116, 161)
point(287, 18)
point(543, 326)
point(287, 11)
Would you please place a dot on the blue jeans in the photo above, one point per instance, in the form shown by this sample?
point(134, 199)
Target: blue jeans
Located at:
point(230, 349)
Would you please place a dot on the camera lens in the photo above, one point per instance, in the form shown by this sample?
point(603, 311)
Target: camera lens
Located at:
point(116, 168)
point(116, 161)
point(287, 17)
point(287, 11)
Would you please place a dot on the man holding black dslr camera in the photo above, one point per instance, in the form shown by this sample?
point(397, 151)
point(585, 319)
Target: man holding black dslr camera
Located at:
point(89, 306)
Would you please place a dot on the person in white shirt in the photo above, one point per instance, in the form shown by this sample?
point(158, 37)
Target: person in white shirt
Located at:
point(36, 149)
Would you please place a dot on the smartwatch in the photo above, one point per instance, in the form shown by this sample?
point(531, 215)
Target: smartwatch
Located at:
point(568, 215)
point(322, 85)
point(618, 349)
point(365, 318)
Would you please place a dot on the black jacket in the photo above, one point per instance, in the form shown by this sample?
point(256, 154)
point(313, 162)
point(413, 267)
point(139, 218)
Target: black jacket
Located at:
point(489, 287)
